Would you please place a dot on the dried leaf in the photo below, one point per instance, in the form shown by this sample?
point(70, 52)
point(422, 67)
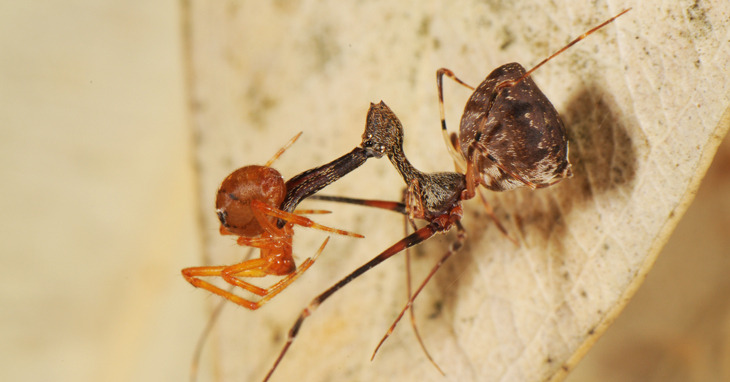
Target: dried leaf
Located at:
point(645, 101)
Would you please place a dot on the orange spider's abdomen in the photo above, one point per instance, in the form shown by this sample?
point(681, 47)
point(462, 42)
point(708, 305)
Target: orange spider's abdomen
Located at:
point(233, 201)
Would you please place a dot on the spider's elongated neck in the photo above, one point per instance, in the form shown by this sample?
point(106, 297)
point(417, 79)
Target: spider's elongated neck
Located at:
point(400, 162)
point(437, 193)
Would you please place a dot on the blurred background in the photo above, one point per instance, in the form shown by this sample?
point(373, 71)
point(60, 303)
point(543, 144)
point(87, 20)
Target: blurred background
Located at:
point(98, 211)
point(99, 215)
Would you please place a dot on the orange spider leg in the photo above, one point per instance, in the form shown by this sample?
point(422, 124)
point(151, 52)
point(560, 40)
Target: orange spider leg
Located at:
point(243, 269)
point(260, 210)
point(249, 268)
point(193, 274)
point(281, 150)
point(261, 207)
point(237, 271)
point(312, 212)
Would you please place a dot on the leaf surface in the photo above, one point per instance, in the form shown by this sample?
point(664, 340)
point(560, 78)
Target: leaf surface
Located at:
point(645, 101)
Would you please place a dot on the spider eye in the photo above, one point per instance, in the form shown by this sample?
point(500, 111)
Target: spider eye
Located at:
point(222, 216)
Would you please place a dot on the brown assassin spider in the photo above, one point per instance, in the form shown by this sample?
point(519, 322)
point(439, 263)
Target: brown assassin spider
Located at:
point(511, 136)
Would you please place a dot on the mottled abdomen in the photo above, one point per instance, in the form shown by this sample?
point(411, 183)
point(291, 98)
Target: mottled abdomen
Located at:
point(233, 201)
point(521, 130)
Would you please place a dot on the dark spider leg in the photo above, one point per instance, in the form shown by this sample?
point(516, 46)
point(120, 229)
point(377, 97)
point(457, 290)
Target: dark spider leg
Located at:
point(453, 248)
point(195, 364)
point(409, 241)
point(459, 159)
point(400, 208)
point(410, 294)
point(496, 221)
point(382, 204)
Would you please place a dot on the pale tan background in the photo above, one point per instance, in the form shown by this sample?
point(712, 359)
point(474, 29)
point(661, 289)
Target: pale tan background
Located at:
point(98, 215)
point(97, 193)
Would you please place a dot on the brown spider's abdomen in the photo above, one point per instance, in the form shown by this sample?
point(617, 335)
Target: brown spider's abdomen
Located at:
point(233, 201)
point(521, 130)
